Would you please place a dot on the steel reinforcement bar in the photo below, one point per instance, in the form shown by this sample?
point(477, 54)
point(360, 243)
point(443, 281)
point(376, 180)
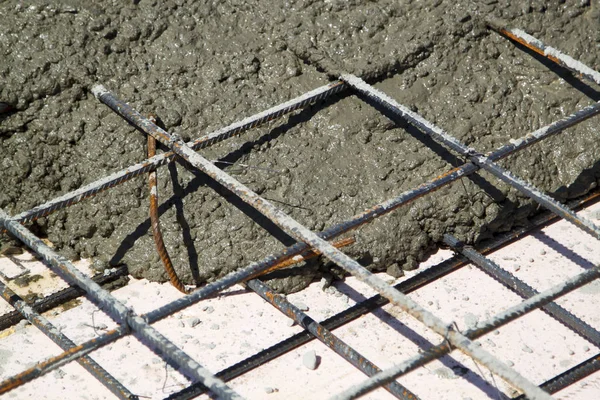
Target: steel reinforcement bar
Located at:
point(257, 268)
point(301, 233)
point(118, 311)
point(420, 280)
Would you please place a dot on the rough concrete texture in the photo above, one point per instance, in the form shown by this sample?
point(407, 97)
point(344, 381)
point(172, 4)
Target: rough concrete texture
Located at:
point(201, 66)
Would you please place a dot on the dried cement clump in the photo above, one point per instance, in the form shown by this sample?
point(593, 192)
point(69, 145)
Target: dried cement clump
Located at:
point(201, 66)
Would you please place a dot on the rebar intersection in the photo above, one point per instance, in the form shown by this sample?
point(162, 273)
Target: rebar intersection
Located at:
point(140, 325)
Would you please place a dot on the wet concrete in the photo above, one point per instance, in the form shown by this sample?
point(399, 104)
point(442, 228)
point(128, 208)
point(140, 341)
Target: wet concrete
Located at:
point(200, 67)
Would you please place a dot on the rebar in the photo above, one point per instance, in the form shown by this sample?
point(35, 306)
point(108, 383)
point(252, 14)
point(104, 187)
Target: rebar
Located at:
point(163, 253)
point(117, 310)
point(301, 233)
point(484, 162)
point(326, 337)
point(549, 52)
point(501, 319)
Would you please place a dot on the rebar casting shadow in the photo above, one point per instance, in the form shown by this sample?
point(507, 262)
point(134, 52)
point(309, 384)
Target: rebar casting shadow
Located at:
point(563, 250)
point(447, 360)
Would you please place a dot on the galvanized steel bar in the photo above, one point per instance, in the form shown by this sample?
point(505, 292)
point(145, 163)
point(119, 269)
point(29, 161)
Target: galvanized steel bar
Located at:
point(256, 268)
point(40, 322)
point(501, 319)
point(478, 159)
point(152, 163)
point(301, 233)
point(117, 310)
point(325, 336)
point(549, 52)
point(524, 290)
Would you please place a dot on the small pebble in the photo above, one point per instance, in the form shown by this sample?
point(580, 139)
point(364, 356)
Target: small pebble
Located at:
point(269, 390)
point(310, 360)
point(542, 252)
point(59, 374)
point(301, 306)
point(586, 348)
point(531, 260)
point(208, 309)
point(571, 352)
point(211, 345)
point(193, 322)
point(516, 267)
point(466, 298)
point(180, 324)
point(527, 349)
point(215, 327)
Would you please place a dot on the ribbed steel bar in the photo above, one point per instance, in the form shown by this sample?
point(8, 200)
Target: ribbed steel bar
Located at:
point(501, 319)
point(524, 290)
point(301, 233)
point(368, 215)
point(325, 336)
point(152, 163)
point(539, 47)
point(117, 310)
point(55, 299)
point(476, 158)
point(40, 322)
point(58, 361)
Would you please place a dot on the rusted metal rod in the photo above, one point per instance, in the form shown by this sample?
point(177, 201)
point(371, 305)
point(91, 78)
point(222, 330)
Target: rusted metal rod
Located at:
point(163, 253)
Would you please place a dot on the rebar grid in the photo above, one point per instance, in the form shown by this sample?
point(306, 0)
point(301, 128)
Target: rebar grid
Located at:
point(301, 233)
point(310, 239)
